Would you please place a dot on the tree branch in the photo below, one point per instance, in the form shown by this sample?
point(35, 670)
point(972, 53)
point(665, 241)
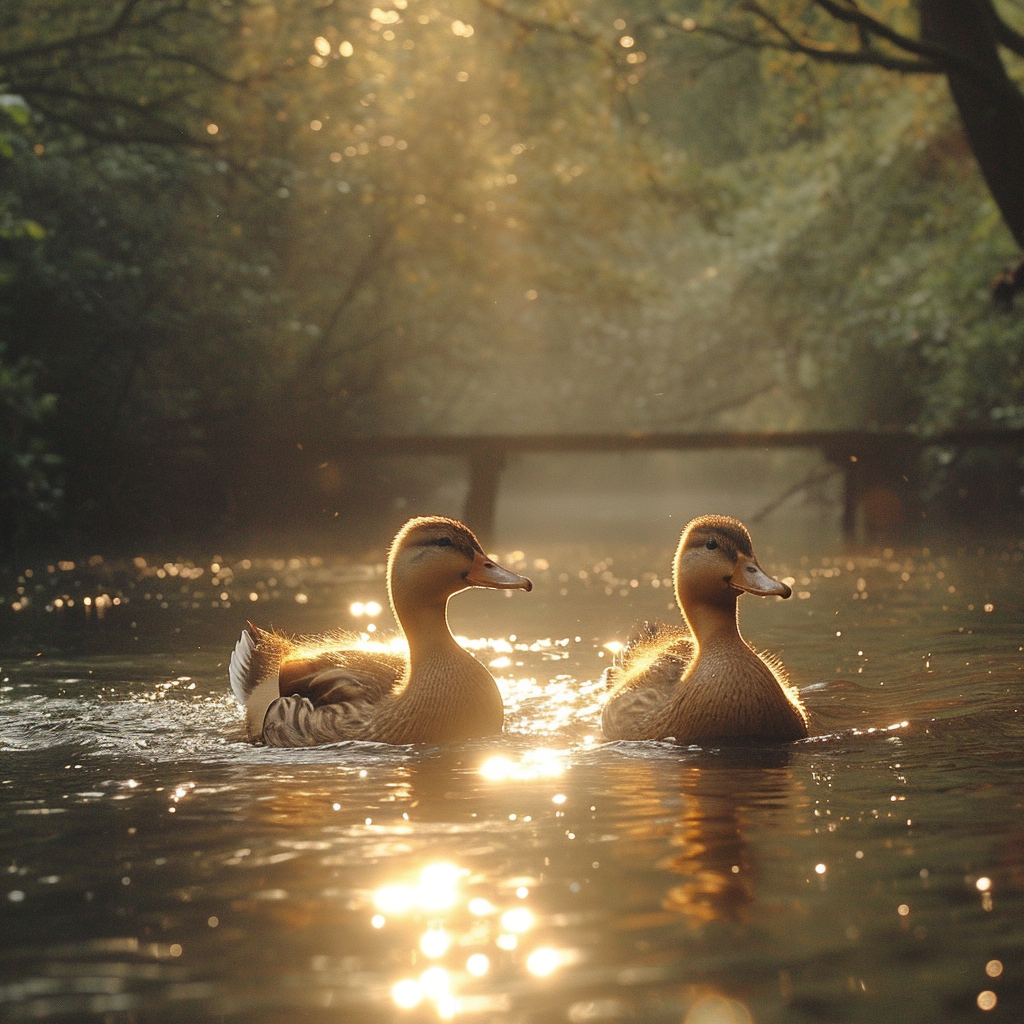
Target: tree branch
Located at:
point(790, 43)
point(853, 15)
point(818, 476)
point(1006, 35)
point(73, 42)
point(367, 266)
point(704, 415)
point(167, 134)
point(566, 28)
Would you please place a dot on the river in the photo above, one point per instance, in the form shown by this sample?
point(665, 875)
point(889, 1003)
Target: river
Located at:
point(158, 868)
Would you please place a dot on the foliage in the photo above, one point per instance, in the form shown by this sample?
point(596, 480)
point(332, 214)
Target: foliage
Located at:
point(853, 242)
point(235, 234)
point(29, 484)
point(14, 128)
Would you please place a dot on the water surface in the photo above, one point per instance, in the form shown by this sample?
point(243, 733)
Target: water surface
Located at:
point(158, 868)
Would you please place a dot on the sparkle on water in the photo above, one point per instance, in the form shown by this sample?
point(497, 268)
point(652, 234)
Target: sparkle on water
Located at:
point(158, 867)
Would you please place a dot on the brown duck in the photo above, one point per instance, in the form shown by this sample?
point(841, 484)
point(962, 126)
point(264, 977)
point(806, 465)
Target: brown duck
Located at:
point(298, 695)
point(707, 683)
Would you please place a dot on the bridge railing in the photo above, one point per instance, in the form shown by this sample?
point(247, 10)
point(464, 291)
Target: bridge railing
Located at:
point(871, 461)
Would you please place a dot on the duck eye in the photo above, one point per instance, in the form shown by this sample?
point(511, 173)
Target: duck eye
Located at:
point(711, 545)
point(443, 542)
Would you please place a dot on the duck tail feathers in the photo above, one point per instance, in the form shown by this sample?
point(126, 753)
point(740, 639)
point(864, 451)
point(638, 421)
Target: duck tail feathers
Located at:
point(240, 667)
point(253, 675)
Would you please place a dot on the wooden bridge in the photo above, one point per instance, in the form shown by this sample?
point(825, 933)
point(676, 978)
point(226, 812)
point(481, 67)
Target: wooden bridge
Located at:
point(873, 463)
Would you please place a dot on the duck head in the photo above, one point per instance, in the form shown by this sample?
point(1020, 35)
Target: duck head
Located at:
point(715, 563)
point(433, 558)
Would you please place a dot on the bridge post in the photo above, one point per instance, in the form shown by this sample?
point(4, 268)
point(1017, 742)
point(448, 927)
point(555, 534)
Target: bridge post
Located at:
point(879, 495)
point(853, 504)
point(481, 508)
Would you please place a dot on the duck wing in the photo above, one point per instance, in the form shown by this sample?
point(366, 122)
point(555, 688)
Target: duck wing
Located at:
point(267, 670)
point(651, 664)
point(298, 722)
point(342, 676)
point(331, 697)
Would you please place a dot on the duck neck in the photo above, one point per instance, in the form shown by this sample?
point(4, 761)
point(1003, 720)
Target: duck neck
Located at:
point(425, 624)
point(714, 624)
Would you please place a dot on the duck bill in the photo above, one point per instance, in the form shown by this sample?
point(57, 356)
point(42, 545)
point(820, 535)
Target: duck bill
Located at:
point(752, 579)
point(485, 573)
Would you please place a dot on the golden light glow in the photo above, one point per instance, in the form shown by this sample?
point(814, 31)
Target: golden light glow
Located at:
point(395, 899)
point(439, 886)
point(435, 982)
point(534, 764)
point(480, 907)
point(716, 1009)
point(407, 993)
point(544, 961)
point(437, 890)
point(435, 942)
point(478, 965)
point(518, 920)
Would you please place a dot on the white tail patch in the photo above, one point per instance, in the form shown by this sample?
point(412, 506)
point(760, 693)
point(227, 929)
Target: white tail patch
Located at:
point(254, 682)
point(242, 658)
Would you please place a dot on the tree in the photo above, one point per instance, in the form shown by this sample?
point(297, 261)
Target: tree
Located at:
point(968, 42)
point(964, 41)
point(271, 225)
point(29, 481)
point(267, 228)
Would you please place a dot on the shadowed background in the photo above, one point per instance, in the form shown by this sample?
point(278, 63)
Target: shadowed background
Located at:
point(232, 233)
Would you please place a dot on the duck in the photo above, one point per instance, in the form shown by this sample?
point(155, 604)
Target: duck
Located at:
point(307, 691)
point(705, 683)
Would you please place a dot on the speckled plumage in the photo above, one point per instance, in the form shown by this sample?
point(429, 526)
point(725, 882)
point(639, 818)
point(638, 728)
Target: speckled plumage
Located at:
point(302, 694)
point(707, 684)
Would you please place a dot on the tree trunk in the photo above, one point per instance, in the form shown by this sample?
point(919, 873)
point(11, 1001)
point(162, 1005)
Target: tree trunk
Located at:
point(991, 106)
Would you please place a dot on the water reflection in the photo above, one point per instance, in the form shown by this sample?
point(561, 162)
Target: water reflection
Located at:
point(718, 793)
point(469, 948)
point(534, 764)
point(717, 1009)
point(539, 876)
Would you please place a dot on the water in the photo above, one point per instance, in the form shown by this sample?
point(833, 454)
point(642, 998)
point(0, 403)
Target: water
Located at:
point(156, 868)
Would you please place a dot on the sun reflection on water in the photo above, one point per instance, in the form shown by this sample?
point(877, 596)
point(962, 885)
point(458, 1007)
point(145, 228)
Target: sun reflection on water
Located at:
point(437, 891)
point(534, 764)
point(467, 940)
